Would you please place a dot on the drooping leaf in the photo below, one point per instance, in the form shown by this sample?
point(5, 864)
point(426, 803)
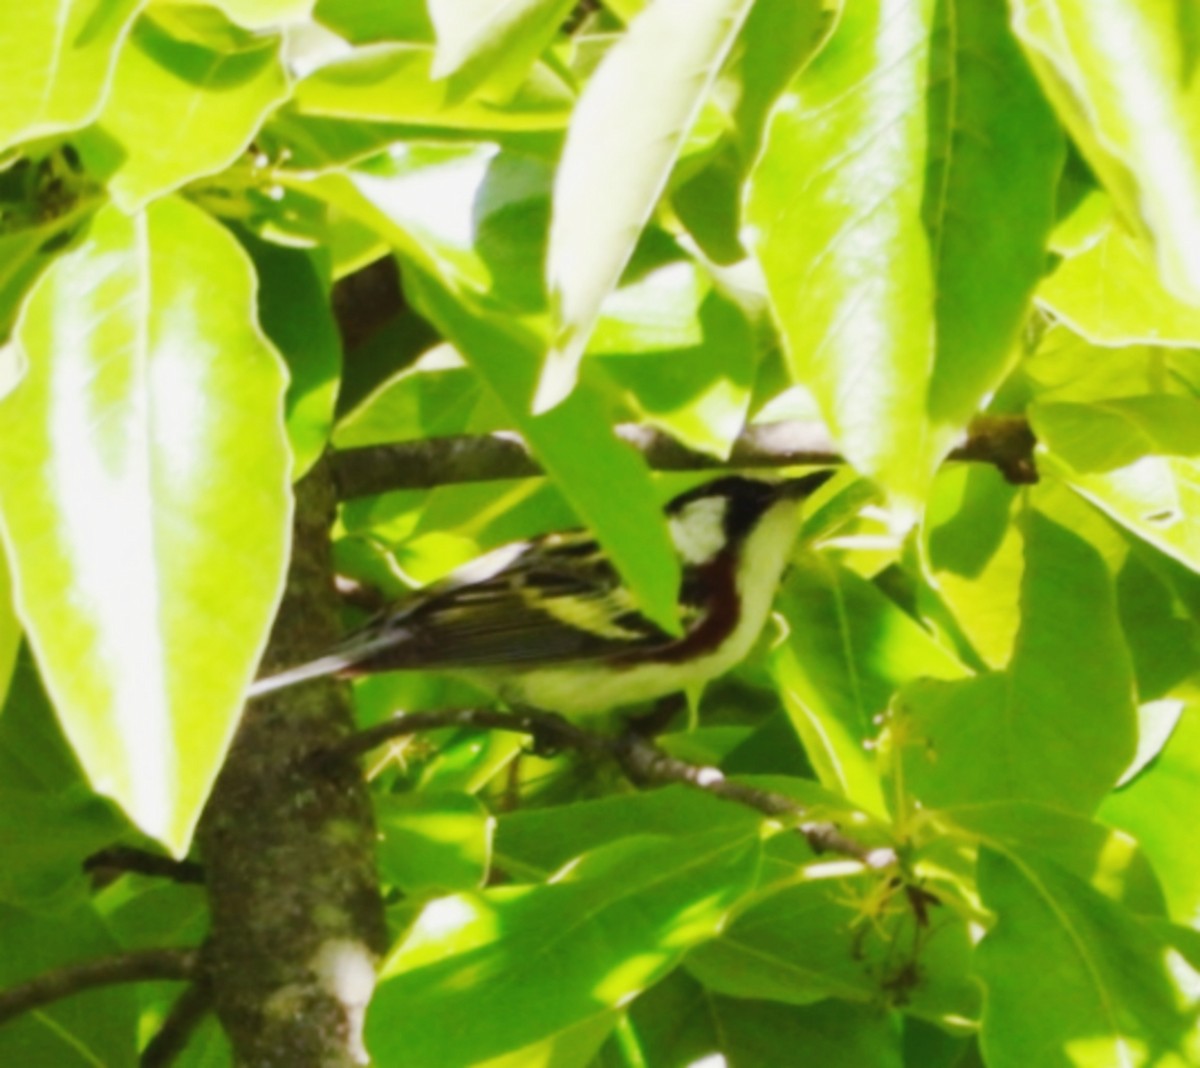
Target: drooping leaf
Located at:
point(842, 246)
point(625, 134)
point(188, 95)
point(144, 497)
point(1123, 79)
point(56, 60)
point(984, 105)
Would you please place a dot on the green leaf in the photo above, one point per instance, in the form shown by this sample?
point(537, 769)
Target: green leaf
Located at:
point(496, 41)
point(1137, 458)
point(94, 1028)
point(1110, 861)
point(848, 650)
point(1039, 730)
point(55, 63)
point(144, 496)
point(631, 122)
point(10, 629)
point(1110, 293)
point(685, 354)
point(834, 205)
point(974, 555)
point(189, 93)
point(25, 253)
point(479, 975)
point(394, 83)
point(1073, 978)
point(364, 21)
point(434, 841)
point(541, 841)
point(434, 397)
point(855, 938)
point(1122, 77)
point(294, 309)
point(1159, 808)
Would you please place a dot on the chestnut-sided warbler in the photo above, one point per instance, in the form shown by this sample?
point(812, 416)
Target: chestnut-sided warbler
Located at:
point(548, 623)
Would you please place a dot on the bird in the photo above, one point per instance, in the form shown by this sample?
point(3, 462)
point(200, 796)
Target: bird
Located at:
point(549, 624)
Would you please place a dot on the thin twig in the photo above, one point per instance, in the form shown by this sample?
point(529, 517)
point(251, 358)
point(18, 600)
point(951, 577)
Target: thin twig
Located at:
point(188, 1012)
point(1005, 441)
point(130, 859)
point(137, 966)
point(643, 763)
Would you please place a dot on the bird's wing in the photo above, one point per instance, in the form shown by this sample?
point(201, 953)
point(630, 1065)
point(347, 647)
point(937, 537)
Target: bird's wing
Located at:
point(554, 600)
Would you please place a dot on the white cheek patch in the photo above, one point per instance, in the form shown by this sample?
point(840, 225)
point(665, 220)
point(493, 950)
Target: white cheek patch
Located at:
point(699, 530)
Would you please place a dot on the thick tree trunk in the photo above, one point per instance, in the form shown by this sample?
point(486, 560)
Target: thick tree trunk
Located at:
point(289, 851)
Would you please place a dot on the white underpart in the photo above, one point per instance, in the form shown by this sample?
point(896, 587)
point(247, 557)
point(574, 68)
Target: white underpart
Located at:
point(582, 688)
point(698, 531)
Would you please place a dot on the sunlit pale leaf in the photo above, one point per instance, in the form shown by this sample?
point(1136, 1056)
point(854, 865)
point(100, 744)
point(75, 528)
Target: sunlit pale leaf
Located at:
point(143, 489)
point(1122, 76)
point(188, 94)
point(1110, 294)
point(1138, 458)
point(480, 975)
point(1073, 978)
point(1050, 733)
point(624, 136)
point(394, 83)
point(260, 14)
point(55, 63)
point(493, 40)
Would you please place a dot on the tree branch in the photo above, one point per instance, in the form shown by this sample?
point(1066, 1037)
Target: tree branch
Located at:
point(188, 1012)
point(1005, 441)
point(120, 859)
point(643, 763)
point(137, 966)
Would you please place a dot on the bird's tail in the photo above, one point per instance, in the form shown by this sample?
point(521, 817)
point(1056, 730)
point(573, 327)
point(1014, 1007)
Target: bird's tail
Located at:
point(314, 669)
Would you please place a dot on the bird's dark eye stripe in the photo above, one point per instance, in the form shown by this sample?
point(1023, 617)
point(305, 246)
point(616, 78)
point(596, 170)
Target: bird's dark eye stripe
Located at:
point(574, 549)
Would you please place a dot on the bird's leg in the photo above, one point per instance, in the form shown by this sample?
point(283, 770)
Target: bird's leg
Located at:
point(658, 719)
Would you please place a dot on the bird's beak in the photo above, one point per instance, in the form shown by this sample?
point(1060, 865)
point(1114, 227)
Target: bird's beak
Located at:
point(797, 489)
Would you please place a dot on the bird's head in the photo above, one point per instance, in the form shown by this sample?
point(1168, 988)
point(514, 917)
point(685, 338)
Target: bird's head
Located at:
point(725, 513)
